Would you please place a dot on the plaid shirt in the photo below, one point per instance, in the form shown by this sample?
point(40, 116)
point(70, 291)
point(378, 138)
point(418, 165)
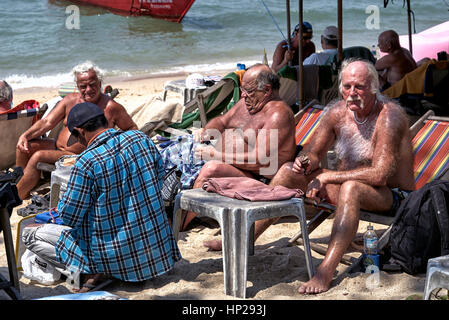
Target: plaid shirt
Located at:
point(113, 204)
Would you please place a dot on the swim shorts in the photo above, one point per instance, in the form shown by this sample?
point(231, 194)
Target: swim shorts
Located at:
point(398, 196)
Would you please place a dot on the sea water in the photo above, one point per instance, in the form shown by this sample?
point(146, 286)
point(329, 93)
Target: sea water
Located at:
point(41, 39)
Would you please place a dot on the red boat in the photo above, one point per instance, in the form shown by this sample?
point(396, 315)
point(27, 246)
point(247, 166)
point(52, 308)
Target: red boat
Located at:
point(172, 10)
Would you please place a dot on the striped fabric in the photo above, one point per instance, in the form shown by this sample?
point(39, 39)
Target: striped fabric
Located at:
point(28, 108)
point(20, 114)
point(431, 152)
point(307, 124)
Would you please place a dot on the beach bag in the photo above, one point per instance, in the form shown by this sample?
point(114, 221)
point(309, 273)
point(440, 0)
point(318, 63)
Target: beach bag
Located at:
point(420, 230)
point(50, 216)
point(35, 268)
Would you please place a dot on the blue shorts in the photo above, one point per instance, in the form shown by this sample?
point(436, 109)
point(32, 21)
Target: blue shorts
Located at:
point(398, 196)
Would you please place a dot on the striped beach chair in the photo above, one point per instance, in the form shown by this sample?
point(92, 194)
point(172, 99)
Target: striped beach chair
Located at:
point(431, 150)
point(308, 120)
point(12, 124)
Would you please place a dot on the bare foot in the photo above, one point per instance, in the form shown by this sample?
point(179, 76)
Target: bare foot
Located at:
point(318, 284)
point(214, 245)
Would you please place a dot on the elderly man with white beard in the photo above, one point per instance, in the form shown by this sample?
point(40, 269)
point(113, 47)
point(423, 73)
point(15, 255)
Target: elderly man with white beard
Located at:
point(375, 162)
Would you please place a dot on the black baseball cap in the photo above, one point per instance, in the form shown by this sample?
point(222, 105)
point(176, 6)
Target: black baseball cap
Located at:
point(79, 115)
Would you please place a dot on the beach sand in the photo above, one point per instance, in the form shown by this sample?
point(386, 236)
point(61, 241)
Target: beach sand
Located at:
point(275, 271)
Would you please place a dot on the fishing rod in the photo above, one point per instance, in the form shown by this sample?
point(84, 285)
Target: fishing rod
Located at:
point(275, 22)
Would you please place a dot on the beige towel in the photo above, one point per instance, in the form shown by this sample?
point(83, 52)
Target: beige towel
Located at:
point(157, 110)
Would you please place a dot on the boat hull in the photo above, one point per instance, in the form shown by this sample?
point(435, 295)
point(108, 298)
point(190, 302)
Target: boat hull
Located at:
point(172, 10)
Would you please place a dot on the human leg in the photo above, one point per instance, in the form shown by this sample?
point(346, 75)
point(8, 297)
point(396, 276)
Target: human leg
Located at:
point(41, 151)
point(41, 239)
point(350, 197)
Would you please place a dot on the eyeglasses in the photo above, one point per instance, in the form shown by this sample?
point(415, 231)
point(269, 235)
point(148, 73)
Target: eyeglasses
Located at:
point(248, 92)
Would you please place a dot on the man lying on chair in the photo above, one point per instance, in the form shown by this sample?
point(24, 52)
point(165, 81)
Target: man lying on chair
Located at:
point(254, 139)
point(32, 148)
point(373, 145)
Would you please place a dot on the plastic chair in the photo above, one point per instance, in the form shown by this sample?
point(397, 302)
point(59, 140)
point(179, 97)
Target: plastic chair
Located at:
point(236, 219)
point(437, 275)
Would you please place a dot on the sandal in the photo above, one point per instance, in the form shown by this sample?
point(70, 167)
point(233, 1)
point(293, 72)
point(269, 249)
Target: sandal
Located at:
point(94, 282)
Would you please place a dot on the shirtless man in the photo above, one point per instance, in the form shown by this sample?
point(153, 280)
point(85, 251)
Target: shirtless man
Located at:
point(396, 64)
point(282, 55)
point(32, 148)
point(260, 112)
point(373, 146)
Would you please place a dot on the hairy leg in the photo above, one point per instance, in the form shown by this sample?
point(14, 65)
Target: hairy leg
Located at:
point(350, 198)
point(31, 174)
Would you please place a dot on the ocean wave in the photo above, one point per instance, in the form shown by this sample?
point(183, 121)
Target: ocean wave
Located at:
point(23, 81)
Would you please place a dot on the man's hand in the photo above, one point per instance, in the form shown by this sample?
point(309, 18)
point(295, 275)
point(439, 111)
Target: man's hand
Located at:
point(23, 144)
point(288, 56)
point(315, 190)
point(302, 165)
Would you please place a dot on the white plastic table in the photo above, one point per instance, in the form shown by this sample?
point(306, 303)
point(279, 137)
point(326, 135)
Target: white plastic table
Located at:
point(236, 219)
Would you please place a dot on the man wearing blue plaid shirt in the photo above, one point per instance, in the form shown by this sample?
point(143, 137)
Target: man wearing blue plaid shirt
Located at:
point(114, 219)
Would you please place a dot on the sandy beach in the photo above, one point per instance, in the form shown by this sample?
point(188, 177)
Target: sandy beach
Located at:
point(275, 271)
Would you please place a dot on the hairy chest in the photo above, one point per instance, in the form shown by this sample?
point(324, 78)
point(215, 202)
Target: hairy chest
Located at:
point(354, 145)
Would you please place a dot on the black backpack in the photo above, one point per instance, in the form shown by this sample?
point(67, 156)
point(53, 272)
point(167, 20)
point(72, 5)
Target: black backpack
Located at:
point(420, 230)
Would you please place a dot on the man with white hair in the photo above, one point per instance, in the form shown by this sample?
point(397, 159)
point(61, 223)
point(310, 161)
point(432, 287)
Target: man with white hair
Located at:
point(33, 148)
point(372, 141)
point(5, 96)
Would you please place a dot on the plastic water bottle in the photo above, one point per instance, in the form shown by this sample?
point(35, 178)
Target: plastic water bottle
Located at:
point(374, 50)
point(370, 255)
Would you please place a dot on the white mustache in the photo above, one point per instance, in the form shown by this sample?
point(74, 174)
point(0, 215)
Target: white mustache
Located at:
point(358, 99)
point(353, 99)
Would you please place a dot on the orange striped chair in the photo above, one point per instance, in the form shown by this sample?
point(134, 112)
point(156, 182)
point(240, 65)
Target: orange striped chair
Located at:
point(307, 119)
point(431, 161)
point(431, 150)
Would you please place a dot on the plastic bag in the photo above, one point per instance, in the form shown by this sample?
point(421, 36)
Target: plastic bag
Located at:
point(37, 269)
